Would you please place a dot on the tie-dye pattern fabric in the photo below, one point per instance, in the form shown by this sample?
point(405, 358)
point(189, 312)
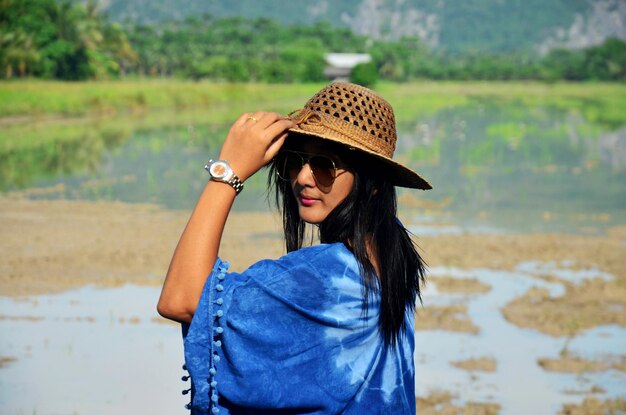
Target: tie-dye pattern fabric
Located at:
point(290, 336)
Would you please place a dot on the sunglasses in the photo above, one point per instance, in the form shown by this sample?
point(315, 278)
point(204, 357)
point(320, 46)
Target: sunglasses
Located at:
point(289, 163)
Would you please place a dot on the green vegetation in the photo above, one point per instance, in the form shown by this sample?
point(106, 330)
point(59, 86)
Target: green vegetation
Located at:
point(106, 98)
point(60, 40)
point(365, 74)
point(74, 41)
point(600, 103)
point(489, 26)
point(238, 50)
point(127, 106)
point(497, 144)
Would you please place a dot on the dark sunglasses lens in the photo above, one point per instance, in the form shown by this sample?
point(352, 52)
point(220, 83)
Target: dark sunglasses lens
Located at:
point(323, 170)
point(288, 164)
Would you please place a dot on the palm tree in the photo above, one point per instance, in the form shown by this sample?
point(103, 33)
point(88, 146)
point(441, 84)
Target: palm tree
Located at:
point(17, 52)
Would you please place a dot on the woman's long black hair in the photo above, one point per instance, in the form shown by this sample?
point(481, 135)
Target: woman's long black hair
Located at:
point(367, 217)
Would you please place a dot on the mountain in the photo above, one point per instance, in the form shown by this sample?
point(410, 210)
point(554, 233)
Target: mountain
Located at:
point(453, 26)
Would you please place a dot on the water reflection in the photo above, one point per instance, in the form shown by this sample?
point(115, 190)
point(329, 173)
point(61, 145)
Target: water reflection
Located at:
point(110, 341)
point(509, 165)
point(519, 384)
point(520, 167)
point(89, 351)
point(63, 152)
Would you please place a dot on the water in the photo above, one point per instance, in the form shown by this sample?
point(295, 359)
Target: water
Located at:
point(508, 166)
point(519, 384)
point(95, 350)
point(89, 351)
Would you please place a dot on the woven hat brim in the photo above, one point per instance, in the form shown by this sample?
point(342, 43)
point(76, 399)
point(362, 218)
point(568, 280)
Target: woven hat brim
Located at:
point(397, 173)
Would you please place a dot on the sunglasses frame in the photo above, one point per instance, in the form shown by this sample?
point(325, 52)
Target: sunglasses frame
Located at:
point(305, 158)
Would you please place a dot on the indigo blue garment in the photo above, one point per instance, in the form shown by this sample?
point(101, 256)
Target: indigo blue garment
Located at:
point(290, 336)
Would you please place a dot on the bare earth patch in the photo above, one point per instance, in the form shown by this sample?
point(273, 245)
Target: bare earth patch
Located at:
point(589, 304)
point(6, 360)
point(451, 285)
point(21, 318)
point(482, 364)
point(593, 389)
point(440, 403)
point(593, 406)
point(579, 365)
point(606, 253)
point(50, 246)
point(451, 318)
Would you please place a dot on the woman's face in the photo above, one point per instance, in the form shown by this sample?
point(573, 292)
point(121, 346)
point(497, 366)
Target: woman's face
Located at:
point(317, 197)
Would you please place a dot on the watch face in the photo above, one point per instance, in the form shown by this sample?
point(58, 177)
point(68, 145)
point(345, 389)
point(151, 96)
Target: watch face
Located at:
point(218, 170)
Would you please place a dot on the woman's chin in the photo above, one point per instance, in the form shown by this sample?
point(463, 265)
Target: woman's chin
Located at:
point(310, 216)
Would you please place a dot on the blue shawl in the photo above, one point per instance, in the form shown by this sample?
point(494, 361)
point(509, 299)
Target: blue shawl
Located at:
point(290, 336)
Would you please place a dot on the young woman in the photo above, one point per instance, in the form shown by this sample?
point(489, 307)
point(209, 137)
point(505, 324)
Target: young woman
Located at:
point(325, 329)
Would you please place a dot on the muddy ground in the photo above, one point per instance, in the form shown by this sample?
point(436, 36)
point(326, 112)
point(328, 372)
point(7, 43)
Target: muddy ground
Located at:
point(54, 245)
point(51, 246)
point(441, 403)
point(481, 364)
point(593, 406)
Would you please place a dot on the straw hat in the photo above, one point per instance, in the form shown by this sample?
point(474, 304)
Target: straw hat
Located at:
point(359, 118)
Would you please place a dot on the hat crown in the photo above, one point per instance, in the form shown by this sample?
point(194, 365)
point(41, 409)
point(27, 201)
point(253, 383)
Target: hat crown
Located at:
point(357, 117)
point(356, 112)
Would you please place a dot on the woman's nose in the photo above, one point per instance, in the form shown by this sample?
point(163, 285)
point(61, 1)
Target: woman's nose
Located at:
point(305, 176)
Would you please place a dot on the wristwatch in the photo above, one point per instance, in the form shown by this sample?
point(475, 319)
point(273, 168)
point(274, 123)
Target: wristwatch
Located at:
point(220, 171)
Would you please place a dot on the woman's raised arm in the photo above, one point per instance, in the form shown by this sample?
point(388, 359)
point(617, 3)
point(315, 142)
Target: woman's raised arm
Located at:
point(251, 143)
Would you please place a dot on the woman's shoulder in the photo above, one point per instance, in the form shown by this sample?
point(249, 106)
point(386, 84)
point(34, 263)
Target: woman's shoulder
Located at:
point(318, 262)
point(322, 252)
point(322, 257)
point(312, 278)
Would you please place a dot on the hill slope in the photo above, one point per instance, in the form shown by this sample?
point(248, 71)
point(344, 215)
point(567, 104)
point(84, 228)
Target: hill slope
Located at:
point(449, 25)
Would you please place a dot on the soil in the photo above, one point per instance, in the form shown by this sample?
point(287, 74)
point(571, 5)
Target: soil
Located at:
point(482, 364)
point(451, 285)
point(596, 407)
point(6, 360)
point(50, 246)
point(440, 403)
point(590, 304)
point(450, 318)
point(579, 365)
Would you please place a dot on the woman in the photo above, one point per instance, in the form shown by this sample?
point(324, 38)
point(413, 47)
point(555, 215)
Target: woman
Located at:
point(326, 329)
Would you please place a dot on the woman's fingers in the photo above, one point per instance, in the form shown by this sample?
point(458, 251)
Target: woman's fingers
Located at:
point(264, 127)
point(275, 132)
point(275, 146)
point(243, 118)
point(253, 140)
point(263, 119)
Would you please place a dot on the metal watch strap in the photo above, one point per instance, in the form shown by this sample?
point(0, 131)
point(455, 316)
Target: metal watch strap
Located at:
point(235, 183)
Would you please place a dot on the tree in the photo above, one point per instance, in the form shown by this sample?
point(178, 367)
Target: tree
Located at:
point(117, 46)
point(62, 40)
point(607, 61)
point(365, 74)
point(17, 54)
point(563, 64)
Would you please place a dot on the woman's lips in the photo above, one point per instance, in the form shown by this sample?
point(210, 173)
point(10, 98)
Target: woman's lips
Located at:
point(307, 201)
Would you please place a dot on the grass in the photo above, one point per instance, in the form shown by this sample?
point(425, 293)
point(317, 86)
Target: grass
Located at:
point(35, 113)
point(44, 98)
point(36, 98)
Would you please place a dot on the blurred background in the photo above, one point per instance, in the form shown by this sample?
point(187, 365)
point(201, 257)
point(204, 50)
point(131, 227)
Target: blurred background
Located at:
point(514, 110)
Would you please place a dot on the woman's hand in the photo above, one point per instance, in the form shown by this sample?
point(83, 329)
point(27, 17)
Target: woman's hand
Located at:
point(253, 140)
